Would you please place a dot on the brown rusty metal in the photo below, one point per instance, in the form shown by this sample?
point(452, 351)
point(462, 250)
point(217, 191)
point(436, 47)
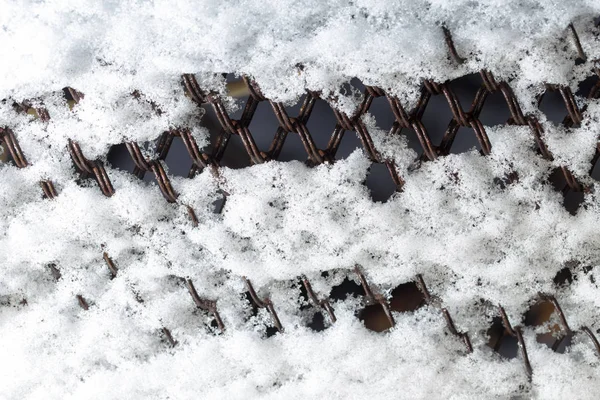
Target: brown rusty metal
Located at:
point(577, 42)
point(193, 89)
point(516, 332)
point(323, 304)
point(89, 167)
point(450, 43)
point(404, 119)
point(10, 141)
point(566, 330)
point(111, 265)
point(264, 303)
point(463, 336)
point(169, 337)
point(55, 272)
point(206, 305)
point(559, 312)
point(353, 123)
point(156, 167)
point(49, 189)
point(82, 302)
point(297, 125)
point(57, 276)
point(192, 215)
point(200, 160)
point(593, 338)
point(373, 298)
point(85, 166)
point(8, 137)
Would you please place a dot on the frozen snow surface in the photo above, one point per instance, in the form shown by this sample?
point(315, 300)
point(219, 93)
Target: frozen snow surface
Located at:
point(477, 243)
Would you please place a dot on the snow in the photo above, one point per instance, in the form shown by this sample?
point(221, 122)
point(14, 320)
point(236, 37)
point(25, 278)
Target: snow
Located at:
point(146, 46)
point(476, 242)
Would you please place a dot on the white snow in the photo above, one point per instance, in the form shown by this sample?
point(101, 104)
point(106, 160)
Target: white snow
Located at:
point(476, 243)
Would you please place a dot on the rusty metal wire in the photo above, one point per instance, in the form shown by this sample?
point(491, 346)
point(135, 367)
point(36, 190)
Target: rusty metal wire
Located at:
point(169, 337)
point(410, 120)
point(565, 329)
point(298, 125)
point(373, 297)
point(111, 265)
point(324, 304)
point(82, 302)
point(264, 303)
point(16, 153)
point(90, 167)
point(8, 138)
point(57, 276)
point(449, 321)
point(206, 305)
point(517, 333)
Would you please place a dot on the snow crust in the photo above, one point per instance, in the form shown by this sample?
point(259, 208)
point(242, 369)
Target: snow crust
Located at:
point(476, 242)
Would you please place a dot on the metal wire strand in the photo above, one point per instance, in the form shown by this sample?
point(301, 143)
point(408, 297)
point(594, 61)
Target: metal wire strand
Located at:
point(264, 303)
point(323, 304)
point(206, 305)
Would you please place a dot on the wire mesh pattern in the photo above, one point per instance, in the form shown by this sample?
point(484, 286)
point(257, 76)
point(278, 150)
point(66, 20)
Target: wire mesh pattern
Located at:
point(404, 120)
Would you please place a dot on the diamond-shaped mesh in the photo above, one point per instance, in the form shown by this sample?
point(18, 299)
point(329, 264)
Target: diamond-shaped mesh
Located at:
point(466, 119)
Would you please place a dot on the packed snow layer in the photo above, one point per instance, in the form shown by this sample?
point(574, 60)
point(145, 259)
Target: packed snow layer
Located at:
point(470, 240)
point(117, 47)
point(477, 243)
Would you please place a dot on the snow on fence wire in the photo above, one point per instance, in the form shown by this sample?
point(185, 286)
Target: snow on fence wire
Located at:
point(410, 120)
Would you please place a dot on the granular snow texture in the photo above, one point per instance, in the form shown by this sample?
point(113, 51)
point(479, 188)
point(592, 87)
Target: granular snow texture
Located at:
point(70, 331)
